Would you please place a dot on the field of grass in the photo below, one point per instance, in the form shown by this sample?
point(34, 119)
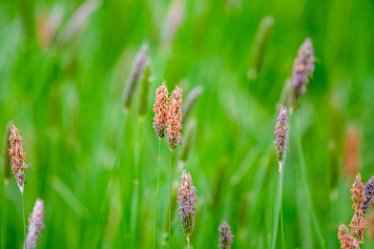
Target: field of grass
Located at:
point(63, 70)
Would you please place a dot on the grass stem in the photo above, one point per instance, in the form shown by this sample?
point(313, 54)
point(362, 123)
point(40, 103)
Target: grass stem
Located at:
point(157, 193)
point(3, 220)
point(170, 196)
point(24, 220)
point(135, 203)
point(278, 204)
point(306, 188)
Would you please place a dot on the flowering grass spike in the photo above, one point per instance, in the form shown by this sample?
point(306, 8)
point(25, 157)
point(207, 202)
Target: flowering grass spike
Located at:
point(358, 223)
point(36, 224)
point(186, 202)
point(346, 239)
point(369, 194)
point(226, 237)
point(175, 119)
point(281, 135)
point(303, 69)
point(17, 156)
point(160, 108)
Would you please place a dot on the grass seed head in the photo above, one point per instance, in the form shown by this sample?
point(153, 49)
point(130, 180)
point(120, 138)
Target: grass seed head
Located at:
point(281, 134)
point(36, 224)
point(358, 223)
point(17, 155)
point(136, 73)
point(160, 108)
point(226, 237)
point(175, 119)
point(186, 202)
point(369, 194)
point(347, 241)
point(303, 69)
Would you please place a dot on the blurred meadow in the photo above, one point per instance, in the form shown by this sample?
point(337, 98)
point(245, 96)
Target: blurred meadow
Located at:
point(64, 66)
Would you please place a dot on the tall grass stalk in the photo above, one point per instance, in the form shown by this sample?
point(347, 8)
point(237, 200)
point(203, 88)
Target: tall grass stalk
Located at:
point(188, 242)
point(278, 204)
point(4, 218)
point(137, 180)
point(170, 196)
point(24, 220)
point(306, 188)
point(157, 194)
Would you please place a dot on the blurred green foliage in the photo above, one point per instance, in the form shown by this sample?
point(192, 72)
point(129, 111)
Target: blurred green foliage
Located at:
point(63, 87)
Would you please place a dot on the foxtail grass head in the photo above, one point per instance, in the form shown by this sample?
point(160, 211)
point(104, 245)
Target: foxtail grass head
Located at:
point(36, 225)
point(160, 108)
point(136, 73)
point(17, 156)
point(347, 241)
point(303, 70)
point(187, 202)
point(358, 223)
point(281, 136)
point(369, 195)
point(6, 162)
point(174, 126)
point(226, 237)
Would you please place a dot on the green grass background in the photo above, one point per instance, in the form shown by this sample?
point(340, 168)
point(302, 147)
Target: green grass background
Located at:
point(66, 101)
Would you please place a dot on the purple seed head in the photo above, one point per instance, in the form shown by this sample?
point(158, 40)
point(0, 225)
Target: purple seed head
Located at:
point(303, 70)
point(281, 134)
point(186, 202)
point(369, 193)
point(226, 237)
point(36, 224)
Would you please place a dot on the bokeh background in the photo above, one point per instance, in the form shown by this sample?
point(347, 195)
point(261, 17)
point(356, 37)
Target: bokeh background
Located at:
point(63, 68)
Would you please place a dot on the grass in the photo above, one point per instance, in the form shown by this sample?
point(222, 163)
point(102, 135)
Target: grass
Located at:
point(66, 101)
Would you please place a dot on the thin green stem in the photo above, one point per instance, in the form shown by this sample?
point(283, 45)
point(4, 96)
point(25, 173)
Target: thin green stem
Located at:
point(188, 242)
point(306, 189)
point(24, 220)
point(3, 222)
point(157, 193)
point(278, 204)
point(170, 192)
point(134, 223)
point(282, 228)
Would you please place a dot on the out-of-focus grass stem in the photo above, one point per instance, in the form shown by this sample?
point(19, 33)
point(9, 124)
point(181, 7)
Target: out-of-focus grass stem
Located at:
point(306, 188)
point(136, 192)
point(4, 219)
